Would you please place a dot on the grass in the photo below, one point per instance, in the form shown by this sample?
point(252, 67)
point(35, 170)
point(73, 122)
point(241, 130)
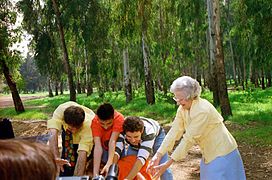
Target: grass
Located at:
point(250, 108)
point(259, 135)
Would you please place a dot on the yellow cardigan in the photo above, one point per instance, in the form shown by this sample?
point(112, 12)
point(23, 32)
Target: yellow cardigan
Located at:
point(201, 125)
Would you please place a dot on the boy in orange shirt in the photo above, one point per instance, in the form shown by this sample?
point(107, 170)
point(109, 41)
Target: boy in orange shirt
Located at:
point(106, 127)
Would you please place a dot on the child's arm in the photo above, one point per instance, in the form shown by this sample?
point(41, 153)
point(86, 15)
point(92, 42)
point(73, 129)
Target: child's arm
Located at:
point(112, 145)
point(135, 169)
point(97, 155)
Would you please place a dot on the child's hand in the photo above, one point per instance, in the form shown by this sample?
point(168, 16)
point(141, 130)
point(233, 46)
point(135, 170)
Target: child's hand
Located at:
point(61, 162)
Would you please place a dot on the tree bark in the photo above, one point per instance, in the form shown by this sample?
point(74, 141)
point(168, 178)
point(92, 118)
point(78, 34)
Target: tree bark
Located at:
point(65, 53)
point(61, 87)
point(212, 80)
point(230, 44)
point(127, 80)
point(220, 66)
point(78, 87)
point(149, 85)
point(19, 107)
point(262, 78)
point(49, 88)
point(197, 41)
point(268, 77)
point(56, 88)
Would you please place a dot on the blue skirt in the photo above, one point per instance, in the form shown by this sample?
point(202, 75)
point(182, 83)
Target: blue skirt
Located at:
point(228, 167)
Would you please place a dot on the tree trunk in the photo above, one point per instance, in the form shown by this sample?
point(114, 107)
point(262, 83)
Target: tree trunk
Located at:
point(19, 107)
point(65, 53)
point(220, 66)
point(49, 88)
point(89, 88)
point(212, 80)
point(255, 76)
point(197, 41)
point(262, 79)
point(56, 88)
point(231, 47)
point(244, 71)
point(149, 85)
point(78, 87)
point(61, 87)
point(268, 77)
point(127, 80)
point(234, 71)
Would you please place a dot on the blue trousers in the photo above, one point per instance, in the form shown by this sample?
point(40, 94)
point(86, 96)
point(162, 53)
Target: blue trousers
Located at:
point(228, 167)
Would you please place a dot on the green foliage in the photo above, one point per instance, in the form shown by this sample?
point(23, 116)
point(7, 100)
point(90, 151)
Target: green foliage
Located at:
point(9, 35)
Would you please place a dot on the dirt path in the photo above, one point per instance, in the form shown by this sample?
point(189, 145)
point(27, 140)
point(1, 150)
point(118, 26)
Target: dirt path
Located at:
point(257, 160)
point(6, 100)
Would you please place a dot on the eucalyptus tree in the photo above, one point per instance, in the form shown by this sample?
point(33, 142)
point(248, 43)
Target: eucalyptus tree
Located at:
point(227, 8)
point(38, 21)
point(260, 12)
point(88, 23)
point(75, 22)
point(211, 37)
point(127, 79)
point(9, 59)
point(164, 35)
point(178, 28)
point(216, 52)
point(199, 24)
point(144, 11)
point(242, 35)
point(65, 53)
point(125, 31)
point(31, 76)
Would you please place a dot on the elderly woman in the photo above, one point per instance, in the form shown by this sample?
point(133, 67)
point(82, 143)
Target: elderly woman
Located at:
point(198, 122)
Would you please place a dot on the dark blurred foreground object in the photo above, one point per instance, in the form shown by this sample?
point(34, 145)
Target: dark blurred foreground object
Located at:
point(6, 130)
point(24, 160)
point(112, 174)
point(73, 178)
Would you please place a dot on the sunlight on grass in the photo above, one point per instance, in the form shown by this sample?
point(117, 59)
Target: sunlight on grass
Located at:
point(247, 106)
point(34, 114)
point(260, 135)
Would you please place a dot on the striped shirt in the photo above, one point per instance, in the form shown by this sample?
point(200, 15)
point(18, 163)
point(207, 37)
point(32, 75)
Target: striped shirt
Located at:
point(151, 131)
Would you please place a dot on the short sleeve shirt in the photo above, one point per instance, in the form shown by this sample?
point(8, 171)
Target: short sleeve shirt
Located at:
point(84, 136)
point(105, 134)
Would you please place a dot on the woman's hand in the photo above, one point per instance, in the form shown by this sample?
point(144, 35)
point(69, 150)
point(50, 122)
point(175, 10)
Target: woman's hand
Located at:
point(140, 176)
point(153, 162)
point(160, 169)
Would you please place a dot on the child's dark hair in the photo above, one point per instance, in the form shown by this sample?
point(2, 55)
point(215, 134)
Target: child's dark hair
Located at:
point(105, 111)
point(133, 124)
point(74, 116)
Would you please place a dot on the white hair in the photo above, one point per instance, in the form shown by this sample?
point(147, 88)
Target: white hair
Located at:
point(189, 86)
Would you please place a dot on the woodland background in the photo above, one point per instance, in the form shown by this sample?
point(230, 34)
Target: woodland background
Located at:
point(136, 45)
